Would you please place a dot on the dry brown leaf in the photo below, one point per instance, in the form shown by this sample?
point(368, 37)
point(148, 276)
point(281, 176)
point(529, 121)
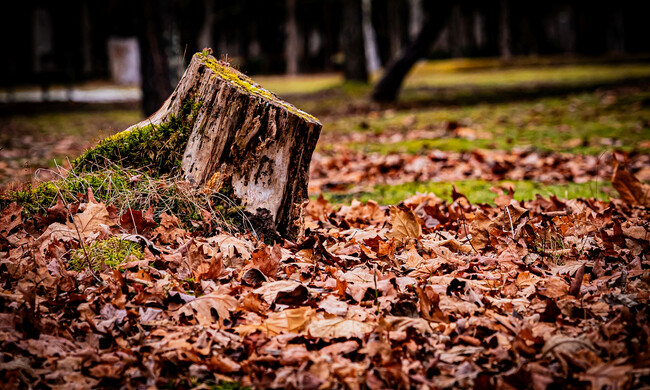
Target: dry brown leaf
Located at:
point(480, 230)
point(334, 306)
point(286, 321)
point(554, 287)
point(286, 292)
point(608, 375)
point(630, 188)
point(89, 221)
point(268, 259)
point(336, 327)
point(10, 219)
point(202, 308)
point(526, 279)
point(405, 224)
point(234, 250)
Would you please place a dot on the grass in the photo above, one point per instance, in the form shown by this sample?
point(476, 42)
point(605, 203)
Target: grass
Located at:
point(113, 252)
point(299, 84)
point(475, 72)
point(477, 191)
point(93, 124)
point(585, 123)
point(130, 189)
point(431, 74)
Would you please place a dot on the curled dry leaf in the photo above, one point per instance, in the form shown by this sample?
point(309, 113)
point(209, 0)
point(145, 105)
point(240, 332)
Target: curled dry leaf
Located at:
point(334, 306)
point(10, 219)
point(405, 224)
point(286, 292)
point(336, 327)
point(286, 321)
point(630, 188)
point(554, 287)
point(268, 259)
point(89, 221)
point(253, 277)
point(210, 309)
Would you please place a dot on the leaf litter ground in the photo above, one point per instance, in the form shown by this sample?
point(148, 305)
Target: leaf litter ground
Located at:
point(429, 293)
point(425, 294)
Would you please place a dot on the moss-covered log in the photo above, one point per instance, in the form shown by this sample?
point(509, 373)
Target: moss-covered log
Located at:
point(223, 130)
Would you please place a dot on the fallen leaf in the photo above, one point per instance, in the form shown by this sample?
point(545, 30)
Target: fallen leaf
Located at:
point(334, 306)
point(630, 188)
point(207, 307)
point(405, 224)
point(267, 259)
point(285, 292)
point(553, 287)
point(286, 321)
point(336, 327)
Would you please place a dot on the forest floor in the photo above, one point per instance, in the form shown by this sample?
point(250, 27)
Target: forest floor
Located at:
point(451, 271)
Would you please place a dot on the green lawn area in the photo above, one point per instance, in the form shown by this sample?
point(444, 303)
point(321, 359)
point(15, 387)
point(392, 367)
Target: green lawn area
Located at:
point(478, 72)
point(431, 74)
point(91, 123)
point(585, 123)
point(477, 191)
point(575, 120)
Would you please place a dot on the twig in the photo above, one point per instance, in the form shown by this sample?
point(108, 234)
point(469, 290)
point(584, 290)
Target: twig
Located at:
point(512, 228)
point(81, 241)
point(374, 277)
point(466, 233)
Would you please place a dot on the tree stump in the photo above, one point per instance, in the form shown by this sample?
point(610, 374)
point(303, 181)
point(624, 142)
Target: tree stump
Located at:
point(223, 130)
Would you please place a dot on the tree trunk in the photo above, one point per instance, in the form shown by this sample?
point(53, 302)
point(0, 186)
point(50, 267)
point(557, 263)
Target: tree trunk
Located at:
point(504, 30)
point(154, 63)
point(370, 40)
point(354, 67)
point(291, 42)
point(388, 86)
point(226, 133)
point(205, 38)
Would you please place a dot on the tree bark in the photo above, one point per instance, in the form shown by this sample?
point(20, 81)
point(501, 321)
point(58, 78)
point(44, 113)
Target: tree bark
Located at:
point(206, 33)
point(504, 30)
point(354, 67)
point(369, 38)
point(154, 63)
point(291, 42)
point(388, 86)
point(238, 137)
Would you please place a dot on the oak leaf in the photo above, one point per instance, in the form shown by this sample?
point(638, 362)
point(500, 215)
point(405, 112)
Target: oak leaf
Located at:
point(336, 327)
point(202, 308)
point(405, 224)
point(630, 188)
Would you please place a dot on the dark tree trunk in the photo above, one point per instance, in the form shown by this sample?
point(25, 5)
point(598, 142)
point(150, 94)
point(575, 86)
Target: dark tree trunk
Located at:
point(389, 85)
point(353, 44)
point(205, 38)
point(291, 42)
point(504, 30)
point(156, 86)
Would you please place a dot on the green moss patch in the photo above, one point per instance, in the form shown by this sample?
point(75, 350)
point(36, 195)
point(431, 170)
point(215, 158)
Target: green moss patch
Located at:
point(157, 148)
point(127, 188)
point(105, 184)
point(588, 123)
point(477, 191)
point(246, 84)
point(113, 252)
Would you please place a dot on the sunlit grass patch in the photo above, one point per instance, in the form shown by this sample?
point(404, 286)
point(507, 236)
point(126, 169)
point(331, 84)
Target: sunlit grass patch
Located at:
point(428, 75)
point(76, 123)
point(585, 123)
point(477, 191)
point(299, 84)
point(112, 252)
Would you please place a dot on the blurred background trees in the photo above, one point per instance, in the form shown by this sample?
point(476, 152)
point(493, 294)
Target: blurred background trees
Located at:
point(79, 40)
